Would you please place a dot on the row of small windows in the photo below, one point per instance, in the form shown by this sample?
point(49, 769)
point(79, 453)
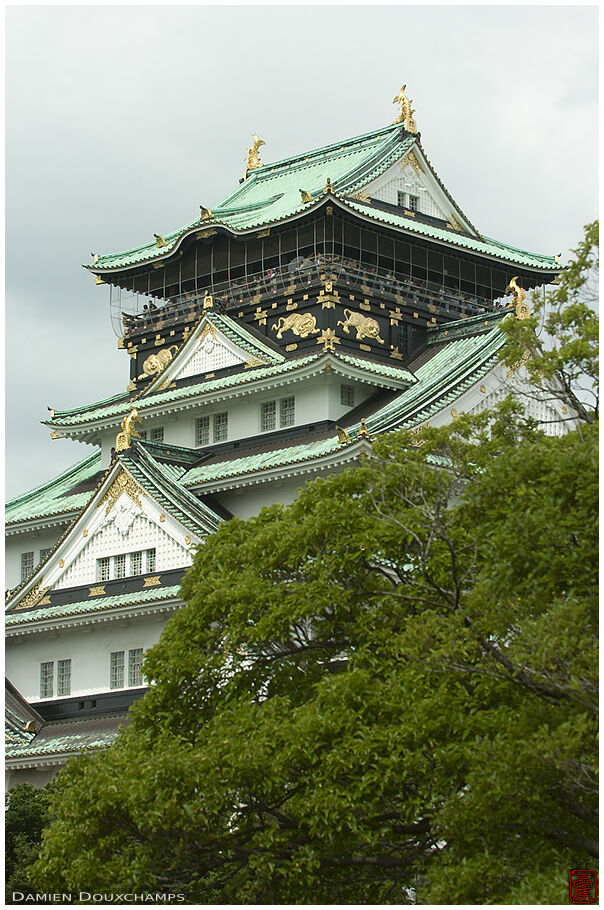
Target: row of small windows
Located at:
point(47, 678)
point(408, 201)
point(28, 561)
point(117, 668)
point(219, 426)
point(155, 434)
point(125, 564)
point(125, 669)
point(284, 409)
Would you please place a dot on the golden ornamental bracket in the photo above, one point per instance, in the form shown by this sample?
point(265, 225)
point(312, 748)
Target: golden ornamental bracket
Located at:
point(123, 483)
point(123, 440)
point(160, 240)
point(329, 186)
point(363, 431)
point(406, 112)
point(205, 213)
point(306, 196)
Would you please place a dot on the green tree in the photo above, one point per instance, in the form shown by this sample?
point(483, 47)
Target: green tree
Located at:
point(561, 336)
point(25, 818)
point(382, 693)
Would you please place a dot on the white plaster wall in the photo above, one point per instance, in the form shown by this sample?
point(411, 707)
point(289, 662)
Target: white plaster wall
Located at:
point(316, 399)
point(88, 648)
point(249, 501)
point(37, 779)
point(107, 443)
point(23, 543)
point(497, 387)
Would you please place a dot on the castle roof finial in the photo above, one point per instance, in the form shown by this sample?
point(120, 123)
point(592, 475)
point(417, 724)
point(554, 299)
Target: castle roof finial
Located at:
point(406, 112)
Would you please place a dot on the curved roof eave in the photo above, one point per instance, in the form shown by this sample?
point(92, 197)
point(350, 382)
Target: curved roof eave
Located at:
point(372, 217)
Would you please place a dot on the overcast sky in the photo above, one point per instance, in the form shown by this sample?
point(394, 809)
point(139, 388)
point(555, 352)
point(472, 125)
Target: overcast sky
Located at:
point(120, 121)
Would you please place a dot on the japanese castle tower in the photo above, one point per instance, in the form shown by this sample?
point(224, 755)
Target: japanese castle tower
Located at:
point(331, 297)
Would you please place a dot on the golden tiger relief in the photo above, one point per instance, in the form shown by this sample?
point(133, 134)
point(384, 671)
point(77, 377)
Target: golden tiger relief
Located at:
point(366, 326)
point(301, 324)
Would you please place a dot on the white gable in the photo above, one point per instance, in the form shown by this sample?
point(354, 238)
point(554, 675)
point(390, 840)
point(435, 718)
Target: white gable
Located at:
point(207, 350)
point(123, 519)
point(412, 176)
point(212, 352)
point(127, 529)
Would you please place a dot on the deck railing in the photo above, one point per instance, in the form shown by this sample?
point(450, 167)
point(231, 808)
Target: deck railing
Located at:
point(305, 273)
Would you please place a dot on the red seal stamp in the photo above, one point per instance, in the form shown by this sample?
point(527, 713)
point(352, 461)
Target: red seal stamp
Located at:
point(583, 886)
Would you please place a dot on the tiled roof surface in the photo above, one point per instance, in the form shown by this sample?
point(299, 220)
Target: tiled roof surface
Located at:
point(244, 377)
point(162, 482)
point(445, 375)
point(261, 461)
point(62, 738)
point(92, 605)
point(442, 379)
point(69, 418)
point(271, 193)
point(53, 498)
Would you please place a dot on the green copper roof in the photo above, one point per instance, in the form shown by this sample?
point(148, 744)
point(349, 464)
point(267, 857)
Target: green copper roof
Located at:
point(263, 461)
point(18, 618)
point(53, 498)
point(238, 333)
point(271, 194)
point(100, 411)
point(161, 481)
point(63, 738)
point(441, 380)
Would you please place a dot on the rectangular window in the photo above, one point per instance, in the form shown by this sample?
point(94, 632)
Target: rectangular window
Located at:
point(221, 426)
point(287, 411)
point(27, 564)
point(202, 431)
point(44, 553)
point(413, 203)
point(401, 199)
point(136, 563)
point(347, 395)
point(150, 560)
point(156, 434)
point(268, 416)
point(135, 660)
point(142, 434)
point(103, 568)
point(116, 669)
point(119, 566)
point(47, 672)
point(64, 677)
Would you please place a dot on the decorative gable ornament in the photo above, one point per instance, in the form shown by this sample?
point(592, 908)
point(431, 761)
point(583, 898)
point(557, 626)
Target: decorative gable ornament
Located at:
point(122, 516)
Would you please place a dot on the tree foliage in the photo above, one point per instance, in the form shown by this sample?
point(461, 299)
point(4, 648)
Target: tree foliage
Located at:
point(25, 818)
point(562, 333)
point(382, 693)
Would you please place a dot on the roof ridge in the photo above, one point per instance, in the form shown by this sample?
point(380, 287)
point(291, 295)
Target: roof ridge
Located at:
point(269, 168)
point(174, 488)
point(57, 412)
